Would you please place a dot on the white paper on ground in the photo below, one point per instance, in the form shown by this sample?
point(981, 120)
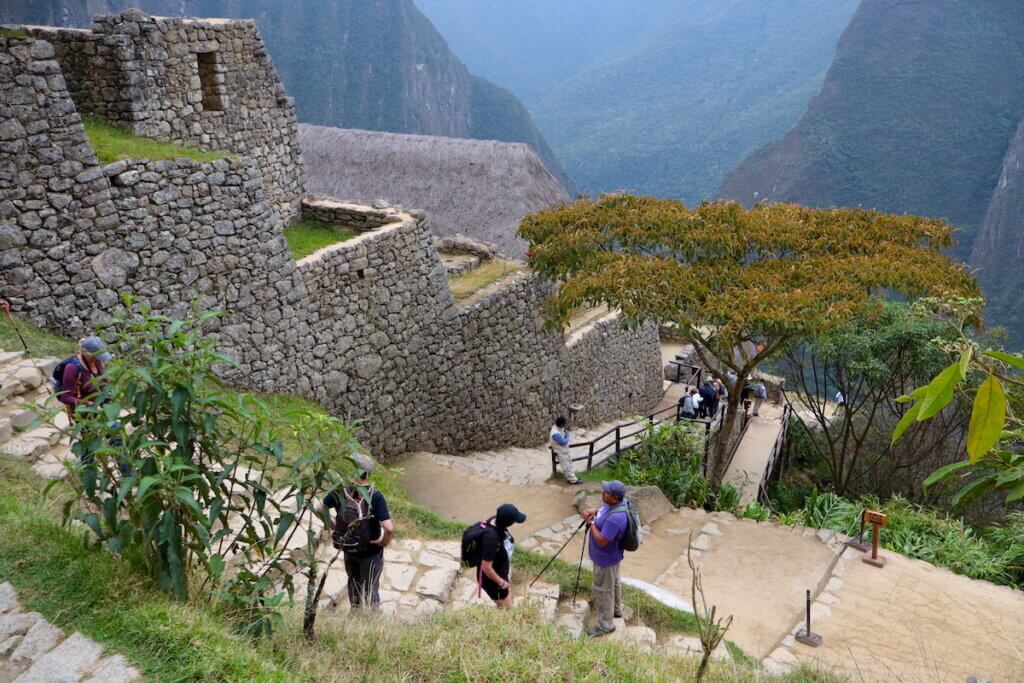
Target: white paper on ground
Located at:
point(660, 594)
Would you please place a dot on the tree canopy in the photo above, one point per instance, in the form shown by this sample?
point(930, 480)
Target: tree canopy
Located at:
point(739, 283)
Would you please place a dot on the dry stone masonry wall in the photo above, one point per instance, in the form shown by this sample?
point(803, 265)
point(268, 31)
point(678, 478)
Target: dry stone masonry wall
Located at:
point(209, 85)
point(369, 326)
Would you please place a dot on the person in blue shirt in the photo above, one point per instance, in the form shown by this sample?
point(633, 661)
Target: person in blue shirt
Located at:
point(559, 445)
point(605, 528)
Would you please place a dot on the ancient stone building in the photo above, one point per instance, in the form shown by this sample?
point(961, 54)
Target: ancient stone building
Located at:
point(368, 326)
point(207, 84)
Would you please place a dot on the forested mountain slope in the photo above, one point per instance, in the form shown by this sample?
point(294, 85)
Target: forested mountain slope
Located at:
point(377, 65)
point(530, 46)
point(675, 115)
point(916, 115)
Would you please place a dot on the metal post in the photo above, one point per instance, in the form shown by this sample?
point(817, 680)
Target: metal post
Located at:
point(805, 635)
point(590, 457)
point(616, 439)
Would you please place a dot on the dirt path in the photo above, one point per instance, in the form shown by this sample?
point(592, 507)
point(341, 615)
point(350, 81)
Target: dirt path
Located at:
point(757, 573)
point(747, 466)
point(914, 622)
point(468, 497)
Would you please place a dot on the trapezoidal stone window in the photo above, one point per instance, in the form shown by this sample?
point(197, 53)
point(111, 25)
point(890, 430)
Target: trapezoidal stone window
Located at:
point(212, 81)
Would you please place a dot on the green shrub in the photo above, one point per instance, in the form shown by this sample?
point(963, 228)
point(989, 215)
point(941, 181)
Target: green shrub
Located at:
point(757, 512)
point(728, 498)
point(189, 481)
point(668, 457)
point(994, 554)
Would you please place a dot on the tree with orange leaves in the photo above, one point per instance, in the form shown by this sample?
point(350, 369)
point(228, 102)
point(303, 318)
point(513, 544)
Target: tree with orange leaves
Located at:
point(740, 284)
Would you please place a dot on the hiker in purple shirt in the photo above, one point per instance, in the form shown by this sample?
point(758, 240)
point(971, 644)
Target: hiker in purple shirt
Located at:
point(605, 529)
point(82, 373)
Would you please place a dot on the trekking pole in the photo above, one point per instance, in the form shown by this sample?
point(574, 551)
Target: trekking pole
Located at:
point(579, 569)
point(558, 553)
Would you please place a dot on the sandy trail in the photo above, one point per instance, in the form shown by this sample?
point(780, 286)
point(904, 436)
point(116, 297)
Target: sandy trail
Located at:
point(911, 621)
point(757, 573)
point(467, 497)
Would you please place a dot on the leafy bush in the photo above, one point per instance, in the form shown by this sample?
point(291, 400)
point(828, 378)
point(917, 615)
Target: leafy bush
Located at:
point(182, 477)
point(994, 554)
point(757, 512)
point(669, 457)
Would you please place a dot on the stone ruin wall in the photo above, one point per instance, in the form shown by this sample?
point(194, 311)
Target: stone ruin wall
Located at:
point(369, 327)
point(209, 85)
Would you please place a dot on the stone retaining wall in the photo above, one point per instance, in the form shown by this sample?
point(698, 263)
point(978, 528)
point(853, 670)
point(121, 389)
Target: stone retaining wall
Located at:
point(369, 327)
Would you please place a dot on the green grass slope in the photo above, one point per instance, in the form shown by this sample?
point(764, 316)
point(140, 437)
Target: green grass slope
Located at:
point(676, 114)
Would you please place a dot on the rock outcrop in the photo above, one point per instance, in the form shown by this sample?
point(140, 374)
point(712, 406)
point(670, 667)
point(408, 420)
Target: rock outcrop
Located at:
point(999, 250)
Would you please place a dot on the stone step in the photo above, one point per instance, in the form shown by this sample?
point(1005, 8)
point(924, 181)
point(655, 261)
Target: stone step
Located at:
point(23, 448)
point(10, 357)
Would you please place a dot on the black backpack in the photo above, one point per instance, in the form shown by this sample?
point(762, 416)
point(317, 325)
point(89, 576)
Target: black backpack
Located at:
point(352, 532)
point(473, 543)
point(632, 537)
point(57, 378)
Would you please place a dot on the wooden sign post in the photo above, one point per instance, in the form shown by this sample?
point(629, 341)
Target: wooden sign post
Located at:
point(877, 520)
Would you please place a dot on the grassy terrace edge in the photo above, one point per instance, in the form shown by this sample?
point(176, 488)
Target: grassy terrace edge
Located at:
point(308, 236)
point(487, 273)
point(112, 142)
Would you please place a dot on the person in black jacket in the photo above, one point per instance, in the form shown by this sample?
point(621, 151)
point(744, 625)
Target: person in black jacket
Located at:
point(709, 399)
point(496, 548)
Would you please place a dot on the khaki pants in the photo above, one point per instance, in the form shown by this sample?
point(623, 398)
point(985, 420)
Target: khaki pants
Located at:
point(568, 469)
point(607, 589)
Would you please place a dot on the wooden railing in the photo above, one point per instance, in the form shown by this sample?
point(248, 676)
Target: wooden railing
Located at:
point(773, 458)
point(621, 438)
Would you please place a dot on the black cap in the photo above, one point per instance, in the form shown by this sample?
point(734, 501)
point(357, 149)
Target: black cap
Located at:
point(508, 514)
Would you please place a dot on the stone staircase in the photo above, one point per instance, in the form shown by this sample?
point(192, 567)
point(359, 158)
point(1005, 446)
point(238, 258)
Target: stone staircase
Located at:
point(24, 382)
point(32, 650)
point(422, 578)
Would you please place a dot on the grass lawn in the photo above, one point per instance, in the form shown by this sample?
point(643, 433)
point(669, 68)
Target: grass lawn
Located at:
point(41, 343)
point(308, 236)
point(92, 591)
point(485, 274)
point(112, 142)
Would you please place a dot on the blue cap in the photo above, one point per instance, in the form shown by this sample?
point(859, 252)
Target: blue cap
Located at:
point(95, 346)
point(614, 487)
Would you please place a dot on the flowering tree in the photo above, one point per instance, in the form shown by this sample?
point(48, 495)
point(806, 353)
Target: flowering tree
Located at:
point(740, 284)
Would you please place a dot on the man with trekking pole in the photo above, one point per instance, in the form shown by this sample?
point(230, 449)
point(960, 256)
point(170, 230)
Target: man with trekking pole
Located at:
point(605, 530)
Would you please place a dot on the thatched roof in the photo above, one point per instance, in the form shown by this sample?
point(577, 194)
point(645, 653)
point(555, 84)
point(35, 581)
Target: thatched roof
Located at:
point(479, 188)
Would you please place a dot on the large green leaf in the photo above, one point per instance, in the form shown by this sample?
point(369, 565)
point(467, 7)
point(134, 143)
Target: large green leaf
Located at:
point(940, 392)
point(965, 361)
point(972, 491)
point(1011, 360)
point(944, 472)
point(283, 525)
point(988, 416)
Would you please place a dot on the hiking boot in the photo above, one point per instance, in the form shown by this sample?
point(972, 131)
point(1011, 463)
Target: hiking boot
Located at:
point(576, 483)
point(596, 631)
point(617, 614)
